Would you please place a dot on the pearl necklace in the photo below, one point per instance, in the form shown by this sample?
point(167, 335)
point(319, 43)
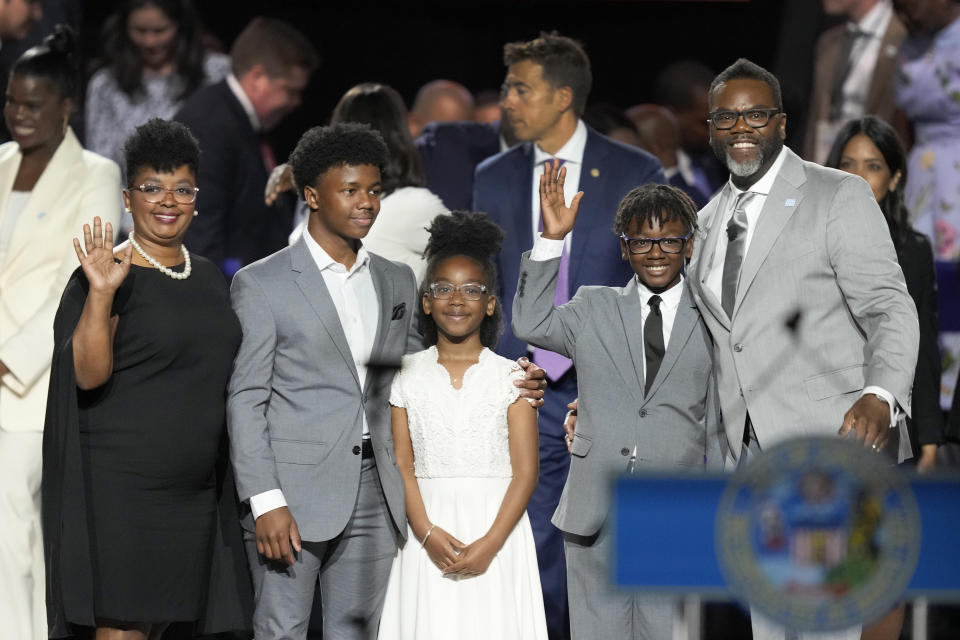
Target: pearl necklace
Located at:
point(167, 271)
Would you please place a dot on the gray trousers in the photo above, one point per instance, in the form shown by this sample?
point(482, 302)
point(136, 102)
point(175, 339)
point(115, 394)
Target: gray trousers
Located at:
point(352, 569)
point(597, 609)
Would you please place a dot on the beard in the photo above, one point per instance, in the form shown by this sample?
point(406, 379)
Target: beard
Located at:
point(767, 150)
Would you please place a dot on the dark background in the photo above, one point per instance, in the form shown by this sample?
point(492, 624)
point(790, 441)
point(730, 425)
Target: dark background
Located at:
point(406, 44)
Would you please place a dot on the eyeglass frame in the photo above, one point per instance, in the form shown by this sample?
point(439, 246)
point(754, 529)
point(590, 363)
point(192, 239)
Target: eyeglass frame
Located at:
point(164, 191)
point(655, 241)
point(770, 112)
point(458, 288)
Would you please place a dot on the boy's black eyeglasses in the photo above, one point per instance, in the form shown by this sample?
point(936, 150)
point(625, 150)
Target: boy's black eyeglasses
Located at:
point(444, 290)
point(645, 245)
point(756, 118)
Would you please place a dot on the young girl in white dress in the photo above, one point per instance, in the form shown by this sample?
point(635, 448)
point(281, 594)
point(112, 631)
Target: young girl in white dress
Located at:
point(466, 445)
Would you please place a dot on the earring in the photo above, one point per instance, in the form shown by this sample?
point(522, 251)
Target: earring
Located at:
point(128, 210)
point(196, 213)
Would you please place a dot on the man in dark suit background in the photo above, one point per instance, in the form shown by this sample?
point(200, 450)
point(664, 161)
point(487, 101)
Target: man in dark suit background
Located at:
point(271, 65)
point(544, 95)
point(853, 70)
point(451, 151)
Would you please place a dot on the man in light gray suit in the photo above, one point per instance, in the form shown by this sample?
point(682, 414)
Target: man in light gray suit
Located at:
point(308, 416)
point(797, 280)
point(647, 397)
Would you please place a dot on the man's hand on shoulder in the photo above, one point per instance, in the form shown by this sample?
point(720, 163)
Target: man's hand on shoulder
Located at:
point(534, 382)
point(276, 532)
point(868, 420)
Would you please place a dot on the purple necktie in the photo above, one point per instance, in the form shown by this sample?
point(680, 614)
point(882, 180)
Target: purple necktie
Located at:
point(555, 364)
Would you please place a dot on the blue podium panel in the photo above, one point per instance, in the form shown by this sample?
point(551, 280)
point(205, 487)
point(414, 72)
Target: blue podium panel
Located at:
point(664, 532)
point(937, 576)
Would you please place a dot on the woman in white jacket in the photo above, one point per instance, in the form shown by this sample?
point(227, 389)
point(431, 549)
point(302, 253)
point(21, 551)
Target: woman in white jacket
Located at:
point(49, 186)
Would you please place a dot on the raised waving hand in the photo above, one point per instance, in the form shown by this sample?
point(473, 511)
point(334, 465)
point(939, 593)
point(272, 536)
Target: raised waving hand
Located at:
point(557, 217)
point(103, 272)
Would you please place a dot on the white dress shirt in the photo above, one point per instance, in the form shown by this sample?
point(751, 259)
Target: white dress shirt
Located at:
point(572, 155)
point(864, 56)
point(761, 189)
point(547, 249)
point(358, 308)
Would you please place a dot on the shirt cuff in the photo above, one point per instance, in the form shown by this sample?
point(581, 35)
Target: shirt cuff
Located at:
point(545, 249)
point(891, 402)
point(266, 501)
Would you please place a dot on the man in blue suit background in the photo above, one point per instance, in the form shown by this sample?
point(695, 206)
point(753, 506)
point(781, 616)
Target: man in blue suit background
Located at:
point(543, 96)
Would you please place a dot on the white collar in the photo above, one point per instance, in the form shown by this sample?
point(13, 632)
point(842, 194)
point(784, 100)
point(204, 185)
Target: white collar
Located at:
point(244, 100)
point(876, 20)
point(571, 151)
point(764, 184)
point(324, 261)
point(669, 299)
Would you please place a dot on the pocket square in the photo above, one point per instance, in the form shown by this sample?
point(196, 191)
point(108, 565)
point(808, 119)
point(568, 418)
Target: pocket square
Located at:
point(398, 311)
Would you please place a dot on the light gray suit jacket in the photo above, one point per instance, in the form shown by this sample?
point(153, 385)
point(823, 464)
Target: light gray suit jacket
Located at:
point(295, 407)
point(821, 310)
point(676, 426)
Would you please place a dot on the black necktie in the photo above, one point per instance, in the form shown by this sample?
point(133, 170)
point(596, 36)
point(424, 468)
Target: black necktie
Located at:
point(844, 65)
point(653, 341)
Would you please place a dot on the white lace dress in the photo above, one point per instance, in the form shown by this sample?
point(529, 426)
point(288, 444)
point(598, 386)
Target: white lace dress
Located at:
point(462, 463)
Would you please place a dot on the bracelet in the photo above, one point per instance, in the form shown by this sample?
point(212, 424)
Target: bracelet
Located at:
point(423, 542)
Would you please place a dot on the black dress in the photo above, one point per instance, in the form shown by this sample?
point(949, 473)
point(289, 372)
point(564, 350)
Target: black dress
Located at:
point(148, 443)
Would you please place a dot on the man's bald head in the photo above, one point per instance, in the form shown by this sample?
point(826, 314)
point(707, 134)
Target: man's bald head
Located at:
point(440, 101)
point(657, 128)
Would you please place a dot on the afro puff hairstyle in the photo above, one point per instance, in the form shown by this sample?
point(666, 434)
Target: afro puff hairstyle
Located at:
point(337, 145)
point(472, 235)
point(655, 203)
point(162, 145)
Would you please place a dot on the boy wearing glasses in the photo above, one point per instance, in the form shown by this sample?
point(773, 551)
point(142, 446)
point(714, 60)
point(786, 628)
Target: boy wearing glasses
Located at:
point(646, 383)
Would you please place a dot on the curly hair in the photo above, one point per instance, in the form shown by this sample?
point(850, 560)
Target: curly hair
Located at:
point(162, 145)
point(54, 59)
point(472, 235)
point(336, 145)
point(564, 62)
point(658, 203)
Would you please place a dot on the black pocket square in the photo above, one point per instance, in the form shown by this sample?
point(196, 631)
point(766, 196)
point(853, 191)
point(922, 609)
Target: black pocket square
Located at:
point(398, 311)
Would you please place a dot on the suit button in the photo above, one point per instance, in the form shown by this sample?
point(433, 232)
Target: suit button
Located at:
point(643, 413)
point(738, 347)
point(624, 451)
point(356, 450)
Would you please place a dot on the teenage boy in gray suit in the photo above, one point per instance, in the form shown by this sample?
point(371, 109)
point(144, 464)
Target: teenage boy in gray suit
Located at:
point(325, 324)
point(647, 397)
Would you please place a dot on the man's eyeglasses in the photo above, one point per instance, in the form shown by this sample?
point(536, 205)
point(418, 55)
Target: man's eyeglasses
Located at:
point(155, 193)
point(444, 290)
point(755, 118)
point(645, 245)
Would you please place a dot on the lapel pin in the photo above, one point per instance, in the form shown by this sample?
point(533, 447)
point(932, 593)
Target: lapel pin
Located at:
point(595, 173)
point(790, 202)
point(41, 215)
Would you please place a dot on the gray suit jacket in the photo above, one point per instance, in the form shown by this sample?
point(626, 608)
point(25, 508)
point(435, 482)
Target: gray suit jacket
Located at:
point(295, 404)
point(676, 426)
point(821, 311)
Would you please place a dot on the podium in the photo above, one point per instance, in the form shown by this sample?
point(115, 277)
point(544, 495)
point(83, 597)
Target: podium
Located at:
point(818, 534)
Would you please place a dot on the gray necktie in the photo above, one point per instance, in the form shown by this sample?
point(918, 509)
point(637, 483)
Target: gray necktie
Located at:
point(736, 247)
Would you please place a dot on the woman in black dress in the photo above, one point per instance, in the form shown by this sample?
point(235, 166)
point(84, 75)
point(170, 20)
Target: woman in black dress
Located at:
point(145, 340)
